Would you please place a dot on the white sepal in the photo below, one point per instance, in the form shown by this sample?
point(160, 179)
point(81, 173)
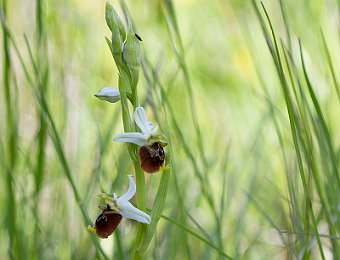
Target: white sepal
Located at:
point(148, 130)
point(130, 192)
point(140, 119)
point(126, 208)
point(133, 137)
point(129, 211)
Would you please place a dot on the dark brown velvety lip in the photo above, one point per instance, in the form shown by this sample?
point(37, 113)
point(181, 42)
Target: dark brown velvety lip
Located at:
point(107, 222)
point(152, 157)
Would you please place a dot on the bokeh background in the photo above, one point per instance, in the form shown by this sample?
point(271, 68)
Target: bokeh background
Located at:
point(209, 81)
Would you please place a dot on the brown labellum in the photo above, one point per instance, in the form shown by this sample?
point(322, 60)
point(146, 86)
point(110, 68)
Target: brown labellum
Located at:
point(152, 157)
point(107, 222)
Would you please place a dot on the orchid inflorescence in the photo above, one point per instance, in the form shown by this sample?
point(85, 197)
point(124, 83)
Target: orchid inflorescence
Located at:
point(124, 46)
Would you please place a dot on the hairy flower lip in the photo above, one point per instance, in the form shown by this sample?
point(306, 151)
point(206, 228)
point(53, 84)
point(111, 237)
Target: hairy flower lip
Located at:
point(107, 222)
point(150, 163)
point(152, 157)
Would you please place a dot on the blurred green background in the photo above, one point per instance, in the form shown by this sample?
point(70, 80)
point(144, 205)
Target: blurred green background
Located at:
point(215, 92)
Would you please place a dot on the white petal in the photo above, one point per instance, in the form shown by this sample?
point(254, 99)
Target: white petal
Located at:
point(130, 192)
point(141, 121)
point(153, 128)
point(108, 94)
point(133, 137)
point(129, 211)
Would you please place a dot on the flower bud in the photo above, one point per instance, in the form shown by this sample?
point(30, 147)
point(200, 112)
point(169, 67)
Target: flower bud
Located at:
point(113, 19)
point(118, 33)
point(132, 54)
point(108, 94)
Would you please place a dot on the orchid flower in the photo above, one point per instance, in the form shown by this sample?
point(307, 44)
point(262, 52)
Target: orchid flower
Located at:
point(116, 208)
point(122, 205)
point(146, 137)
point(151, 153)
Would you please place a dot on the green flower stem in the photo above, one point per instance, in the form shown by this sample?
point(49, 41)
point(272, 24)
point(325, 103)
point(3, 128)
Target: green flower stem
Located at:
point(134, 98)
point(157, 210)
point(128, 63)
point(141, 203)
point(140, 183)
point(123, 85)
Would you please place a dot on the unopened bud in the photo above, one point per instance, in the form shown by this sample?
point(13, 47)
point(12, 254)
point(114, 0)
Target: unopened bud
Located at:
point(118, 32)
point(113, 19)
point(108, 94)
point(132, 54)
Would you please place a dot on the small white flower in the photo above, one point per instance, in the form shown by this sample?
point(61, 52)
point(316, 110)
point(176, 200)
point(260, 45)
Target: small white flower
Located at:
point(124, 206)
point(147, 128)
point(108, 94)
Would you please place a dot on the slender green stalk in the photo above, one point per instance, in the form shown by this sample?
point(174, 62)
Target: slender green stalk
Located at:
point(14, 250)
point(205, 241)
point(124, 84)
point(157, 210)
point(141, 202)
point(332, 154)
point(140, 180)
point(331, 66)
point(42, 69)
